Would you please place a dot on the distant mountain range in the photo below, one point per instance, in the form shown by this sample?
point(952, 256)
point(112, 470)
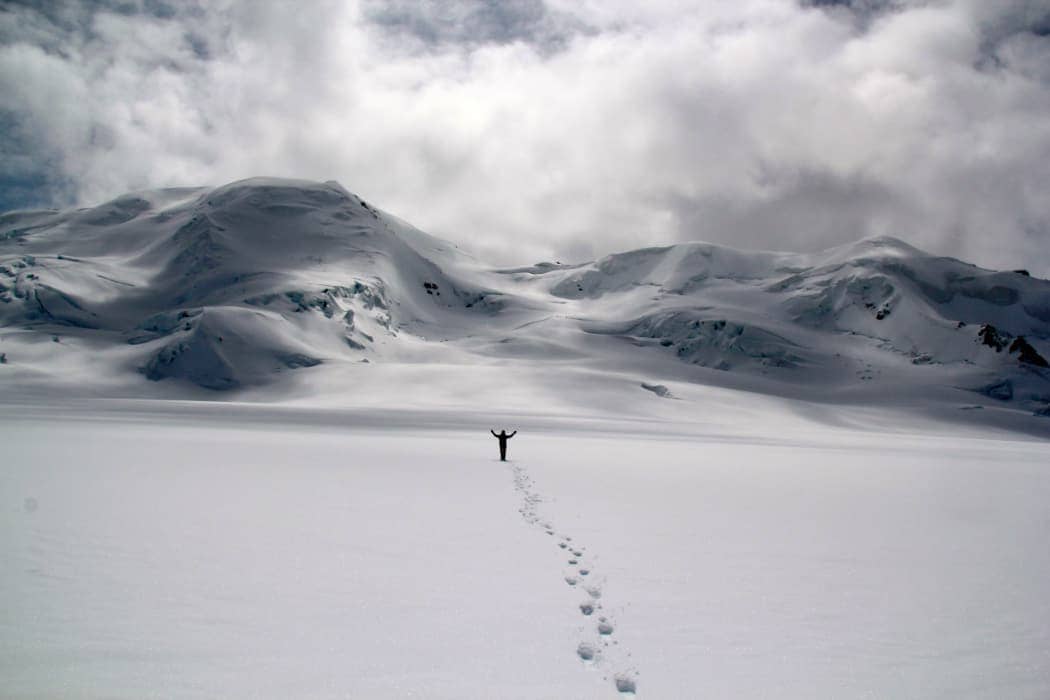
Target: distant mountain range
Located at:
point(249, 284)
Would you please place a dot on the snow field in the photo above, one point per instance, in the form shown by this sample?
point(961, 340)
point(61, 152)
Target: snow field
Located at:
point(194, 556)
point(188, 561)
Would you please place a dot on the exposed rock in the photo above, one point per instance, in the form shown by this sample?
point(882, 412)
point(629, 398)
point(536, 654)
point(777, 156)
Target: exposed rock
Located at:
point(658, 389)
point(1029, 356)
point(993, 337)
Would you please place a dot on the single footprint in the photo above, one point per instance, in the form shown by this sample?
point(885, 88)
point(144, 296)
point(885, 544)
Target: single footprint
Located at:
point(573, 561)
point(586, 651)
point(586, 608)
point(594, 592)
point(577, 553)
point(571, 580)
point(584, 572)
point(562, 545)
point(626, 685)
point(605, 629)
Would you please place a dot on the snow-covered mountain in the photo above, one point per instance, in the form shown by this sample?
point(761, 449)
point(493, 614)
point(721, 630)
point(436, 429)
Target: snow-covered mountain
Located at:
point(260, 283)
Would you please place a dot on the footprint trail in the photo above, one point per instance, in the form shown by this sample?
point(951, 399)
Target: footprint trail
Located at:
point(598, 647)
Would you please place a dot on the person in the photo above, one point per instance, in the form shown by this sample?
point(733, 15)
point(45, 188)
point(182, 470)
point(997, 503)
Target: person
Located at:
point(503, 437)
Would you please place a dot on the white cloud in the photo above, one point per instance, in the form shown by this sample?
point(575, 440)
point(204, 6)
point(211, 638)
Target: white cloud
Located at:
point(566, 129)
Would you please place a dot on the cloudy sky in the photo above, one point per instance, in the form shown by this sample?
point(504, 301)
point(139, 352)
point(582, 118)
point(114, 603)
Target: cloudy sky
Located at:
point(557, 129)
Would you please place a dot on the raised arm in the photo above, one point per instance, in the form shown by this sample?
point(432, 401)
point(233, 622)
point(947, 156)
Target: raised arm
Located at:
point(494, 433)
point(513, 434)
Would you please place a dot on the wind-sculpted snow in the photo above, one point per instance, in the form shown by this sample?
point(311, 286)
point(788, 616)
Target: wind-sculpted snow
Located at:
point(250, 284)
point(942, 287)
point(926, 308)
point(679, 269)
point(227, 347)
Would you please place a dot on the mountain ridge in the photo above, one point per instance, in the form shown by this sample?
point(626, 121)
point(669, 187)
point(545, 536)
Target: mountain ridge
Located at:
point(248, 284)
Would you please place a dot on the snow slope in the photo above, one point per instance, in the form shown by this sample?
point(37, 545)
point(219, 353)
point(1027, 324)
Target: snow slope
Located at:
point(228, 287)
point(279, 288)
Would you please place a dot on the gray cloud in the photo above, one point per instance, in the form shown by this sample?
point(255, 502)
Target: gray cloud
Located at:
point(861, 13)
point(558, 129)
point(821, 203)
point(473, 23)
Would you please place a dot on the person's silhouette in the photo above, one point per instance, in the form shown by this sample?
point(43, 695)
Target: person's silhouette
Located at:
point(503, 437)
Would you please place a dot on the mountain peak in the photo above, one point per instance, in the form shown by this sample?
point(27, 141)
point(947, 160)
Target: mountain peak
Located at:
point(266, 279)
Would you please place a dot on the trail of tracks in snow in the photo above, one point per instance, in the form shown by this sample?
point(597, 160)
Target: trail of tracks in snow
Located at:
point(598, 645)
